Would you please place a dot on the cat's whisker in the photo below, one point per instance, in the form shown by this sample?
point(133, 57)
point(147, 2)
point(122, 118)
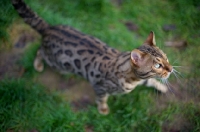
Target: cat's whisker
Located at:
point(175, 61)
point(177, 77)
point(177, 73)
point(169, 86)
point(156, 90)
point(177, 66)
point(164, 82)
point(161, 80)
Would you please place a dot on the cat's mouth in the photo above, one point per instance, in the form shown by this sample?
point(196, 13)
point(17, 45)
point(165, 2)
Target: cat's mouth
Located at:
point(166, 75)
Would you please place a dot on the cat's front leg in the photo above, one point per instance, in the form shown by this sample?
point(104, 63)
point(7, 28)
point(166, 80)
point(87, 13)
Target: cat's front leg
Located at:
point(102, 104)
point(156, 84)
point(101, 100)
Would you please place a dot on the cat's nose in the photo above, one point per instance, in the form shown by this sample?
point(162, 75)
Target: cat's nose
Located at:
point(169, 68)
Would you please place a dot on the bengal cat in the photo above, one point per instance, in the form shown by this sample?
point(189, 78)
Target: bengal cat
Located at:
point(108, 70)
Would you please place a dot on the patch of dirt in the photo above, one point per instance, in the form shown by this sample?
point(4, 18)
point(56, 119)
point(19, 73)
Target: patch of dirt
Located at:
point(131, 26)
point(20, 35)
point(82, 103)
point(179, 124)
point(8, 67)
point(77, 91)
point(89, 128)
point(169, 27)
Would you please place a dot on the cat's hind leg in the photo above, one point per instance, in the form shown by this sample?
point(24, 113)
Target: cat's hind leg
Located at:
point(156, 84)
point(38, 62)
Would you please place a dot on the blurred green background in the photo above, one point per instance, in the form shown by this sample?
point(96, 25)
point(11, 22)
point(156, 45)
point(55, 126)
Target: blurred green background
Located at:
point(27, 103)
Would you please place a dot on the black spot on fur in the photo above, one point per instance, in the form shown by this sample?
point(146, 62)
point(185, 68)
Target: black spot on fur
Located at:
point(82, 43)
point(104, 47)
point(97, 76)
point(149, 49)
point(77, 63)
point(80, 52)
point(88, 44)
point(114, 51)
point(36, 23)
point(65, 32)
point(97, 42)
point(91, 52)
point(106, 58)
point(106, 74)
point(128, 59)
point(87, 68)
point(92, 74)
point(85, 58)
point(68, 53)
point(19, 5)
point(67, 65)
point(127, 89)
point(79, 73)
point(93, 59)
point(53, 46)
point(70, 44)
point(99, 53)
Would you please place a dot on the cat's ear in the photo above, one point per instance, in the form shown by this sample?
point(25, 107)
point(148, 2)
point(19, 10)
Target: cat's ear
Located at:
point(151, 39)
point(137, 57)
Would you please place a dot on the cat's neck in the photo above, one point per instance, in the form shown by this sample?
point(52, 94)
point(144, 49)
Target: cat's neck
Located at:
point(125, 67)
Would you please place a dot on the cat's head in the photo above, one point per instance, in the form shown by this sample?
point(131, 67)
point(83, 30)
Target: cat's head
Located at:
point(149, 61)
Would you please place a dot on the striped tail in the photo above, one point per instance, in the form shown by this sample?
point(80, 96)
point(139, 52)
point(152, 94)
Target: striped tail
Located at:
point(29, 16)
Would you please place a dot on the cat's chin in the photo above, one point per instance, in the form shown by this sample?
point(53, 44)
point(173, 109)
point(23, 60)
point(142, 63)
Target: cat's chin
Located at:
point(166, 77)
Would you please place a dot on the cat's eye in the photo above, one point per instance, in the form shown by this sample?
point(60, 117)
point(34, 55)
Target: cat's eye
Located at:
point(157, 65)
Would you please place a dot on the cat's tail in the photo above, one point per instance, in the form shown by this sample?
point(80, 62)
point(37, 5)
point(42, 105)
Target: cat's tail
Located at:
point(29, 16)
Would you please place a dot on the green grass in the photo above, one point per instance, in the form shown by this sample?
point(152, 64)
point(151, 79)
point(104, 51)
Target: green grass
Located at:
point(5, 11)
point(26, 105)
point(29, 106)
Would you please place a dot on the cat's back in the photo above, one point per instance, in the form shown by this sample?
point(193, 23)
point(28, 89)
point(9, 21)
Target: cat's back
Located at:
point(67, 49)
point(75, 43)
point(70, 38)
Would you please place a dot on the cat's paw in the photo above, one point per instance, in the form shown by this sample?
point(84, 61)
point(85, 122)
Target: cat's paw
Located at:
point(38, 65)
point(103, 109)
point(162, 88)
